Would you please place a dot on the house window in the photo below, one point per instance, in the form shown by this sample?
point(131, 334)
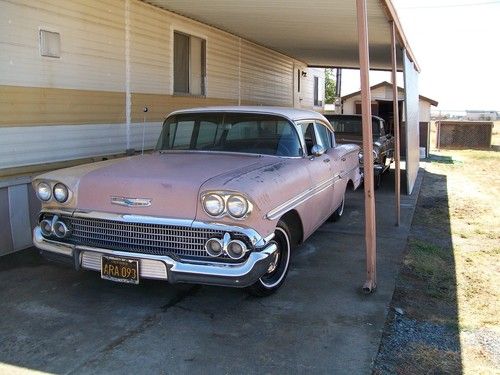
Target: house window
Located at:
point(189, 64)
point(50, 44)
point(317, 102)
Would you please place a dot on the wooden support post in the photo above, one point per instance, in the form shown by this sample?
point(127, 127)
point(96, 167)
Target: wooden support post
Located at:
point(395, 110)
point(370, 228)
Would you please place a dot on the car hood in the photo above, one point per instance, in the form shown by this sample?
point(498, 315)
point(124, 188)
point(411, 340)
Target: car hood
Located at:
point(170, 181)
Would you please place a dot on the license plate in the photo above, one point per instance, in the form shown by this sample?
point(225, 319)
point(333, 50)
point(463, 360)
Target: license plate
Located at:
point(120, 269)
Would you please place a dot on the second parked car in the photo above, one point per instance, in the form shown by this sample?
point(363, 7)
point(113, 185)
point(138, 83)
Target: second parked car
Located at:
point(349, 129)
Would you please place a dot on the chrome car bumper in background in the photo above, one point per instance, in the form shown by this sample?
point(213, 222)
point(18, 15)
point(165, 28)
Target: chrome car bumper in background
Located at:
point(165, 267)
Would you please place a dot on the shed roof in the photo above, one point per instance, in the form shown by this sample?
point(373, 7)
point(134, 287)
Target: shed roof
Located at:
point(388, 84)
point(321, 33)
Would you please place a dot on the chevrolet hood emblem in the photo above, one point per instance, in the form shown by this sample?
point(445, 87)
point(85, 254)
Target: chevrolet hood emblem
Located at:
point(131, 202)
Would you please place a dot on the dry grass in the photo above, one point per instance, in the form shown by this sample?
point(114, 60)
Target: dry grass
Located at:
point(473, 195)
point(425, 358)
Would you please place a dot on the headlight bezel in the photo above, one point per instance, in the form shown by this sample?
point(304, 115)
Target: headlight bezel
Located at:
point(226, 196)
point(51, 185)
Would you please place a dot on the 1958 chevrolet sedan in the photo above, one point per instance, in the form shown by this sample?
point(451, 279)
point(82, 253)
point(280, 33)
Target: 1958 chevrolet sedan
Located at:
point(224, 198)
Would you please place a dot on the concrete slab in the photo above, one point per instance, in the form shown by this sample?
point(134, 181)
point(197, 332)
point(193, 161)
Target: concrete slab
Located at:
point(61, 321)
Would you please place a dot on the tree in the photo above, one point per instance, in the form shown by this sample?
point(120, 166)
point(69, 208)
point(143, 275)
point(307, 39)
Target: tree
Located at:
point(330, 86)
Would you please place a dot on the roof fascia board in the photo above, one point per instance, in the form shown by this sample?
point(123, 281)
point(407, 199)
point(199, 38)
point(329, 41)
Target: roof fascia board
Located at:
point(392, 15)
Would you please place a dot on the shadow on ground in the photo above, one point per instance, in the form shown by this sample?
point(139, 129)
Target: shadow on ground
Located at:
point(61, 321)
point(421, 334)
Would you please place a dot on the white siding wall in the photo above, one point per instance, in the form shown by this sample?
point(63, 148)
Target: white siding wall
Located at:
point(93, 53)
point(92, 44)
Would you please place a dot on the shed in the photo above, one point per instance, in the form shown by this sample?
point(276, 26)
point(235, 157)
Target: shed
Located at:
point(382, 97)
point(463, 134)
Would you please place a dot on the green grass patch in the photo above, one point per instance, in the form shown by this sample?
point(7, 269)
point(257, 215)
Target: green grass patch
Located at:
point(435, 266)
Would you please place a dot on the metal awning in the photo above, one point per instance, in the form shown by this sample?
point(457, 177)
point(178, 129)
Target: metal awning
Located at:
point(364, 34)
point(320, 33)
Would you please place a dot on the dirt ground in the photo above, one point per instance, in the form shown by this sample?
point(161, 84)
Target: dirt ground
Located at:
point(444, 313)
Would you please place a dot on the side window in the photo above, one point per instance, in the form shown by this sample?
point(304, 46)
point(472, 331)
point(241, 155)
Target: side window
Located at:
point(308, 134)
point(324, 136)
point(189, 64)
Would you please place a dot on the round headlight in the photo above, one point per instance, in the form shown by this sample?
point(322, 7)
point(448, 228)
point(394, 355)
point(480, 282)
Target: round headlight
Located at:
point(213, 247)
point(60, 192)
point(236, 249)
point(213, 204)
point(237, 206)
point(43, 191)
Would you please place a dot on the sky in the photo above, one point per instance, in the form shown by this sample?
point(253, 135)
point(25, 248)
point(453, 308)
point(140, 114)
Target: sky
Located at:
point(457, 45)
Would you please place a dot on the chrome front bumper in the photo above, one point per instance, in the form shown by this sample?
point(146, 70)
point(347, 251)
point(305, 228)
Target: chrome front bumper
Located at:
point(164, 267)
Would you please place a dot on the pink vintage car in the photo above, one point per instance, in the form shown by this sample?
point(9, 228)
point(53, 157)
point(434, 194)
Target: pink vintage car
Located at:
point(223, 200)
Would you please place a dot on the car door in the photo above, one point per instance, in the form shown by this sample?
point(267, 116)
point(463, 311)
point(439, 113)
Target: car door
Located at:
point(338, 162)
point(321, 175)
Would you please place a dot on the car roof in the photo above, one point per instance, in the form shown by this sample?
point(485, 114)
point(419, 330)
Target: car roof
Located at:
point(293, 114)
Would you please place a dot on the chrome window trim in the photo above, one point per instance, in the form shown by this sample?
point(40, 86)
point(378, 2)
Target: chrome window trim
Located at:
point(277, 212)
point(229, 153)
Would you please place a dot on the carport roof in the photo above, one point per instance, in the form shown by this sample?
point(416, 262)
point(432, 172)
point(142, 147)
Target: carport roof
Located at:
point(320, 33)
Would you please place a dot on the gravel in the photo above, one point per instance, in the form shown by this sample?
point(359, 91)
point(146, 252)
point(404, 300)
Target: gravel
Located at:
point(403, 333)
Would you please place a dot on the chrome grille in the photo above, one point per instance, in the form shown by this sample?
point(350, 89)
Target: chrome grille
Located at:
point(154, 239)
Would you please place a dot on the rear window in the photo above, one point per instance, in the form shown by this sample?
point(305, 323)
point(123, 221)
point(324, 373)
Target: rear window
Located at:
point(352, 125)
point(230, 132)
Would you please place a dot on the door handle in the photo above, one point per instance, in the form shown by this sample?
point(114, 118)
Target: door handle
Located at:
point(326, 160)
point(343, 159)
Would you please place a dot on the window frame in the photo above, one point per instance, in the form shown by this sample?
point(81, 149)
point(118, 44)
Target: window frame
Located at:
point(162, 148)
point(317, 124)
point(203, 82)
point(316, 101)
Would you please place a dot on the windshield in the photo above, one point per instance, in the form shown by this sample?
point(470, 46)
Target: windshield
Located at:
point(352, 125)
point(230, 132)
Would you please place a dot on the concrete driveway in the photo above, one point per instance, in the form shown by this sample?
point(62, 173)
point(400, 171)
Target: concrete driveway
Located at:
point(56, 320)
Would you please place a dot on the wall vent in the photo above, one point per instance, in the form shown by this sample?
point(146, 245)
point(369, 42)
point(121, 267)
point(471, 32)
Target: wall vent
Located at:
point(50, 44)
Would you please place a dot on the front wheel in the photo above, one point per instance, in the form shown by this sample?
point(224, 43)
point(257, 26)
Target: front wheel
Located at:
point(275, 276)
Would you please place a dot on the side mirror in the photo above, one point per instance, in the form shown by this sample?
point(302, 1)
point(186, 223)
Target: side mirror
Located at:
point(318, 150)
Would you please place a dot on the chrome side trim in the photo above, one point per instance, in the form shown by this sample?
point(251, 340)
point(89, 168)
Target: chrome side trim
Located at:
point(299, 199)
point(345, 173)
point(304, 196)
